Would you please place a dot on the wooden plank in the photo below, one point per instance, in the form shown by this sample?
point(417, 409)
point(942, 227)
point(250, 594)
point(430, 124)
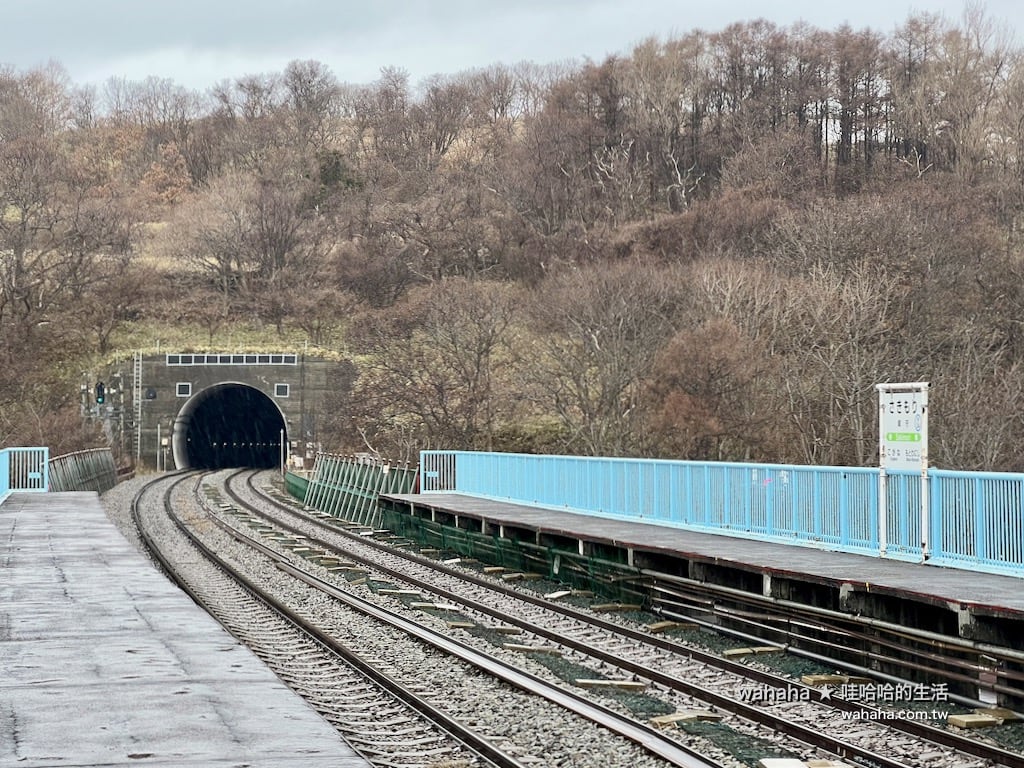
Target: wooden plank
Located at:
point(973, 721)
point(730, 653)
point(611, 607)
point(823, 679)
point(752, 651)
point(558, 595)
point(664, 626)
point(1000, 713)
point(506, 630)
point(685, 716)
point(627, 685)
point(550, 650)
point(434, 606)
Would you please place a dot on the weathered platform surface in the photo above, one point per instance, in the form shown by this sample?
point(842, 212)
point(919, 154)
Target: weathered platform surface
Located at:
point(103, 661)
point(975, 594)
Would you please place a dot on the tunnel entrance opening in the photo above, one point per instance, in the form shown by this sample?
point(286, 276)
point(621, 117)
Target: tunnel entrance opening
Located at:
point(228, 425)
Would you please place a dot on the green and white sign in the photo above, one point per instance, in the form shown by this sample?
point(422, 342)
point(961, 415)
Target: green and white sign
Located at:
point(903, 446)
point(903, 426)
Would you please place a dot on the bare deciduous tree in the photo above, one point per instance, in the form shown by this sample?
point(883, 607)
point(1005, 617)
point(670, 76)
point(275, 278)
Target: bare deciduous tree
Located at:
point(599, 332)
point(707, 399)
point(442, 371)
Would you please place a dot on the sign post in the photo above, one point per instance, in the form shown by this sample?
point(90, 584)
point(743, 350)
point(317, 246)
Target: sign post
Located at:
point(902, 445)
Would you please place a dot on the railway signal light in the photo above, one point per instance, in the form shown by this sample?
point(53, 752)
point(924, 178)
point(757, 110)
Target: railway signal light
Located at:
point(101, 393)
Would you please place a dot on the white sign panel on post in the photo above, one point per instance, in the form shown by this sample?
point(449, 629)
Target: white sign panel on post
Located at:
point(903, 446)
point(903, 426)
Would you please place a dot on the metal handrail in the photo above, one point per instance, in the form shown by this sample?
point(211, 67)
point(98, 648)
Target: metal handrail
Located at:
point(974, 519)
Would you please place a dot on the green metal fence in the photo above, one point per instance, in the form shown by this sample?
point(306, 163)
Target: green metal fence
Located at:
point(613, 579)
point(92, 470)
point(349, 486)
point(296, 485)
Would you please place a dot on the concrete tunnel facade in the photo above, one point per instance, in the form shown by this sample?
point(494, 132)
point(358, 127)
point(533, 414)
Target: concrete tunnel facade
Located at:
point(228, 424)
point(169, 408)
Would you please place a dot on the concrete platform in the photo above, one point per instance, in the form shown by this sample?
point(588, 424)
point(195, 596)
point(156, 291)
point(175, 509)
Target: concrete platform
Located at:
point(976, 606)
point(103, 661)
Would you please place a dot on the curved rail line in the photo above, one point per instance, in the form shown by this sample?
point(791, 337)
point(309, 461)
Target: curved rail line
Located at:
point(832, 744)
point(466, 736)
point(672, 594)
point(645, 736)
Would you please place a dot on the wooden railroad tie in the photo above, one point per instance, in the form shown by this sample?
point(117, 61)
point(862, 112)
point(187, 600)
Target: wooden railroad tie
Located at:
point(426, 606)
point(685, 716)
point(835, 680)
point(611, 607)
point(983, 718)
point(550, 650)
point(791, 762)
point(506, 630)
point(665, 626)
point(752, 651)
point(626, 685)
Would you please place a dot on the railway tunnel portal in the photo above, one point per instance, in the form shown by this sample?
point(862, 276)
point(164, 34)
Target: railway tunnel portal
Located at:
point(229, 425)
point(210, 411)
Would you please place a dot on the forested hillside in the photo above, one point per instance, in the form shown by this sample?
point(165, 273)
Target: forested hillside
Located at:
point(711, 248)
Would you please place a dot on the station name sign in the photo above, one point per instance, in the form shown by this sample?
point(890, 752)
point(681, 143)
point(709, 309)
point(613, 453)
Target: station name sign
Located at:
point(903, 426)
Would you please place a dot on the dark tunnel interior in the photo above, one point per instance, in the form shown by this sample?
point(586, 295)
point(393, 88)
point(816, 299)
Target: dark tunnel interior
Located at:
point(228, 425)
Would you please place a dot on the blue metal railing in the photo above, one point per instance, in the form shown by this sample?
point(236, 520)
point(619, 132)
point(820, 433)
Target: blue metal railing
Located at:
point(977, 520)
point(972, 519)
point(24, 469)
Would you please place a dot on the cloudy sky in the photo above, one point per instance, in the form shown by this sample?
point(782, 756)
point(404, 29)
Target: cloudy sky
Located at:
point(197, 43)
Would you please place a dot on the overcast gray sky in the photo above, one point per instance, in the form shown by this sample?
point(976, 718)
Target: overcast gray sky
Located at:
point(197, 43)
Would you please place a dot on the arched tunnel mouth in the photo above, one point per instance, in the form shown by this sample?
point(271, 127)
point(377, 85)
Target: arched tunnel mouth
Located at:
point(228, 425)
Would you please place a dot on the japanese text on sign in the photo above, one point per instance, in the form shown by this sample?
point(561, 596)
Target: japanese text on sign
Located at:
point(903, 426)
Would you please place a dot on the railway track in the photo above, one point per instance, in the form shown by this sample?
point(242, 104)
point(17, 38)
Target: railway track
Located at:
point(374, 714)
point(958, 663)
point(810, 715)
point(290, 633)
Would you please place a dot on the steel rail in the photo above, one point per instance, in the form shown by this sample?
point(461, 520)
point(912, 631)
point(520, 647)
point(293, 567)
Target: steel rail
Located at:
point(942, 667)
point(458, 731)
point(647, 737)
point(787, 610)
point(914, 728)
point(774, 722)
